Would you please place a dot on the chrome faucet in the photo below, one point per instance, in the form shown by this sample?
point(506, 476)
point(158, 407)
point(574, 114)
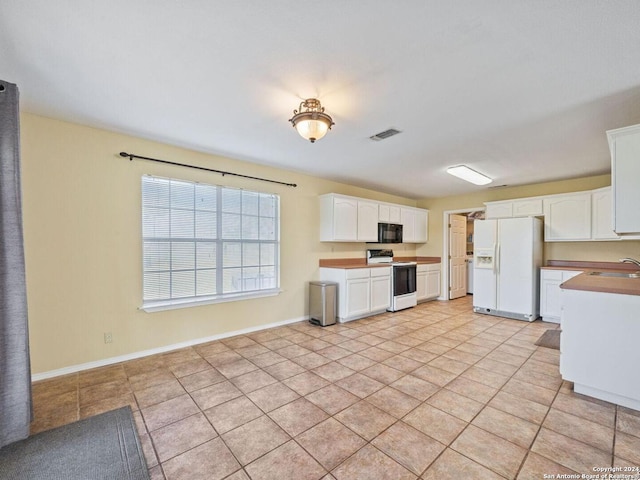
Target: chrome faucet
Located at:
point(630, 260)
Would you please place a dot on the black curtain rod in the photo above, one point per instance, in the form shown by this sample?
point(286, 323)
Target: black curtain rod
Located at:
point(221, 172)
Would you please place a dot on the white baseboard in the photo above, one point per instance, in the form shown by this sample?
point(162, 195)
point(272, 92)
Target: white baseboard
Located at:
point(145, 353)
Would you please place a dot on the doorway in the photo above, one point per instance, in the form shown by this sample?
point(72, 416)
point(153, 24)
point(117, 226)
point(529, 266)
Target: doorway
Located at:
point(457, 244)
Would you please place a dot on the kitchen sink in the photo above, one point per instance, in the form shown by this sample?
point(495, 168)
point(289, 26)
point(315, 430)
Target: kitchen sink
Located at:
point(617, 274)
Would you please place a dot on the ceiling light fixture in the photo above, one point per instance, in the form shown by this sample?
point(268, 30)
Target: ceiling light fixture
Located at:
point(310, 120)
point(468, 174)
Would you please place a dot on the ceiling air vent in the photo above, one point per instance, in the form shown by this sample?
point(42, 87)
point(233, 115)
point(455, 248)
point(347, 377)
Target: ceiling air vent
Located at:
point(386, 134)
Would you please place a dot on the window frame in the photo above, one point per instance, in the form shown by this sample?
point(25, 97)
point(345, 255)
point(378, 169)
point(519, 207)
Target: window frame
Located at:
point(170, 241)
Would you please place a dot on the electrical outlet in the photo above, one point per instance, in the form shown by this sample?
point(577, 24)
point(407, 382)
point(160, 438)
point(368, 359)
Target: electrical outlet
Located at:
point(108, 337)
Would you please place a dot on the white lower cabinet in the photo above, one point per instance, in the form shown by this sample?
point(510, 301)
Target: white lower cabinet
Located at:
point(599, 345)
point(551, 293)
point(427, 282)
point(361, 291)
point(380, 289)
point(357, 297)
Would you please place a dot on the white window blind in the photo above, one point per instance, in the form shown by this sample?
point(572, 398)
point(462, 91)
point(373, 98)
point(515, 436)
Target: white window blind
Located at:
point(206, 243)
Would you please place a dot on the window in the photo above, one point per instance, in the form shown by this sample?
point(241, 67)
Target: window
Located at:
point(206, 243)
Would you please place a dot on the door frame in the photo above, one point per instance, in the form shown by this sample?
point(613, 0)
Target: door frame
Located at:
point(444, 290)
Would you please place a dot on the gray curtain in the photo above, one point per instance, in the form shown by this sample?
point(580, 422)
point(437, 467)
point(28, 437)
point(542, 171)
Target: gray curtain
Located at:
point(15, 369)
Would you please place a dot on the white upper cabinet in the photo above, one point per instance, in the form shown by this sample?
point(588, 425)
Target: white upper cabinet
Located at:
point(352, 219)
point(348, 219)
point(408, 221)
point(338, 219)
point(414, 225)
point(367, 221)
point(499, 210)
point(567, 217)
point(528, 207)
point(570, 217)
point(422, 226)
point(523, 207)
point(601, 215)
point(388, 213)
point(624, 144)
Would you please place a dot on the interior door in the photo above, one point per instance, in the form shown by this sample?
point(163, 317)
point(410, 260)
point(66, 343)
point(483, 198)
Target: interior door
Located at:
point(457, 256)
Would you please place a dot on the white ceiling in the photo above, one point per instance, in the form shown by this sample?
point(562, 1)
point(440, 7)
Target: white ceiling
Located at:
point(520, 90)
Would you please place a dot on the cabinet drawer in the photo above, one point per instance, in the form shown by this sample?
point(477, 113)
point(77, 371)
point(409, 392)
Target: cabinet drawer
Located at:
point(380, 271)
point(428, 267)
point(358, 273)
point(551, 274)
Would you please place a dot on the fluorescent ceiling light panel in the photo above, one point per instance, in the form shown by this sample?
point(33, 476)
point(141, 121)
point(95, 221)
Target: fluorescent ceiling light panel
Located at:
point(466, 173)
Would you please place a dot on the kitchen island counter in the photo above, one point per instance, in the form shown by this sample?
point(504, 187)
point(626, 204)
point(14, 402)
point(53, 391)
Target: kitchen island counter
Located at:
point(596, 283)
point(604, 284)
point(600, 340)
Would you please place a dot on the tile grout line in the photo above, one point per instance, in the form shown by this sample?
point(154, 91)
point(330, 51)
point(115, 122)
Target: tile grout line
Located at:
point(484, 406)
point(455, 329)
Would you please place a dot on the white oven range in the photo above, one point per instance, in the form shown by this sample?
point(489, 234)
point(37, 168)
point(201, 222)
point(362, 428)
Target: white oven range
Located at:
point(403, 279)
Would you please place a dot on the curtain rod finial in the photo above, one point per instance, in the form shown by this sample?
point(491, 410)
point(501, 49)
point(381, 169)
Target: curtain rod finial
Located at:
point(125, 155)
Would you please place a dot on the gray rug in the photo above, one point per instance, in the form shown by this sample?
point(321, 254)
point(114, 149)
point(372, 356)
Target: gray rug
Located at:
point(550, 339)
point(103, 447)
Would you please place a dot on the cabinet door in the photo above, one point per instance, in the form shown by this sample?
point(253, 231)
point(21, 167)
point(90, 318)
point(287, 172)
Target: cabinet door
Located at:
point(550, 295)
point(433, 283)
point(527, 208)
point(499, 210)
point(345, 219)
point(422, 226)
point(358, 297)
point(567, 217)
point(421, 285)
point(367, 221)
point(394, 214)
point(625, 172)
point(380, 293)
point(383, 213)
point(601, 215)
point(408, 219)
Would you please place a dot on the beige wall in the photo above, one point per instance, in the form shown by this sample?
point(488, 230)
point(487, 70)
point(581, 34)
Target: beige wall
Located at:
point(597, 251)
point(83, 247)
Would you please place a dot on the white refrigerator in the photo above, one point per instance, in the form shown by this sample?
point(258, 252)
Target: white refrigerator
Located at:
point(507, 259)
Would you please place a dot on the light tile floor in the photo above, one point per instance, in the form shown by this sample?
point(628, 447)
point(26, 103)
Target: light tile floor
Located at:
point(434, 392)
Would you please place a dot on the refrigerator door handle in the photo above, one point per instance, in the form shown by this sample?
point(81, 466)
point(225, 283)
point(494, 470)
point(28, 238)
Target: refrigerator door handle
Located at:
point(496, 252)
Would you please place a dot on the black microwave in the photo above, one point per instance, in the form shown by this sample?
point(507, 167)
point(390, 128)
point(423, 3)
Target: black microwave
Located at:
point(389, 233)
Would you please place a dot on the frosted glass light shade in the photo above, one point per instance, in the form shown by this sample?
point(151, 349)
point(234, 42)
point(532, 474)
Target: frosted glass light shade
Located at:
point(310, 120)
point(312, 129)
point(469, 175)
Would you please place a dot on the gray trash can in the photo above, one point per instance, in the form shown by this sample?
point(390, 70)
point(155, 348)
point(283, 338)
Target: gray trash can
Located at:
point(322, 303)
